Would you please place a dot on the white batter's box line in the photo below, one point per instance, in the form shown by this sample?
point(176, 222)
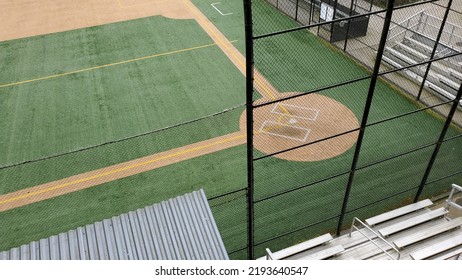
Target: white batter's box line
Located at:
point(306, 130)
point(214, 6)
point(284, 105)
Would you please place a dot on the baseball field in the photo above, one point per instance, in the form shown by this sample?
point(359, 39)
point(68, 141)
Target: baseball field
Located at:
point(109, 106)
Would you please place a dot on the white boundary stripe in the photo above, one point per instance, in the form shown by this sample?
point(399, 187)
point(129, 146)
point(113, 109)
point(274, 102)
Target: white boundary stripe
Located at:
point(277, 105)
point(285, 136)
point(213, 5)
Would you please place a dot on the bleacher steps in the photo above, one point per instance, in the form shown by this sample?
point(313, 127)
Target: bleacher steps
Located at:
point(437, 248)
point(419, 45)
point(356, 239)
point(298, 248)
point(425, 217)
point(412, 51)
point(401, 56)
point(427, 233)
point(410, 232)
point(325, 253)
point(456, 75)
point(440, 91)
point(449, 254)
point(398, 212)
point(364, 251)
point(448, 82)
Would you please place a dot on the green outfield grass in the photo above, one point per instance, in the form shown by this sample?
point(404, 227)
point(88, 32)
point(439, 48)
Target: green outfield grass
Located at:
point(231, 23)
point(65, 113)
point(316, 64)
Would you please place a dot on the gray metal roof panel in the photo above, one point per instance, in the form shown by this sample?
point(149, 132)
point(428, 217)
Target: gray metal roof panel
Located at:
point(44, 249)
point(35, 250)
point(180, 228)
point(181, 237)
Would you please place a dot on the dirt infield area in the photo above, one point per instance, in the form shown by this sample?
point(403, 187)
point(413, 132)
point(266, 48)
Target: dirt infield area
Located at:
point(304, 120)
point(26, 18)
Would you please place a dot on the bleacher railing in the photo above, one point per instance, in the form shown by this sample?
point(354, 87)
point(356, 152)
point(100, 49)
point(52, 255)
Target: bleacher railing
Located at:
point(354, 227)
point(450, 201)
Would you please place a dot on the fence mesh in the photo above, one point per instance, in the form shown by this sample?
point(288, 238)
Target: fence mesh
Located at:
point(136, 126)
point(319, 57)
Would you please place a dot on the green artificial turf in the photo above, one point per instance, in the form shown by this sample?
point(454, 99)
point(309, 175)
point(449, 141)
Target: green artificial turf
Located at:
point(298, 61)
point(60, 214)
point(231, 23)
point(62, 114)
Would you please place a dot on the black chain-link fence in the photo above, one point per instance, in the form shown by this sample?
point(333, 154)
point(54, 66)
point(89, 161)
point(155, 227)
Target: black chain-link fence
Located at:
point(332, 138)
point(362, 114)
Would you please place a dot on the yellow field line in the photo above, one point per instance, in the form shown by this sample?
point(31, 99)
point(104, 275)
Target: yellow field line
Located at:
point(122, 169)
point(240, 62)
point(107, 65)
point(120, 4)
point(223, 44)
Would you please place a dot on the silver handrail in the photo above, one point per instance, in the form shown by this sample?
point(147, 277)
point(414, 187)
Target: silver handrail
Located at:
point(373, 242)
point(449, 201)
point(402, 24)
point(269, 255)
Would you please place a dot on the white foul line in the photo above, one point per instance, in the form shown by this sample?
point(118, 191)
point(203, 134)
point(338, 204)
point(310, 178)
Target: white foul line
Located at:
point(213, 5)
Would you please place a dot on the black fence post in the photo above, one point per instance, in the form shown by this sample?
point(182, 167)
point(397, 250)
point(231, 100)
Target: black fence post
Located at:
point(348, 26)
point(435, 49)
point(319, 19)
point(439, 143)
point(332, 24)
point(370, 95)
point(249, 128)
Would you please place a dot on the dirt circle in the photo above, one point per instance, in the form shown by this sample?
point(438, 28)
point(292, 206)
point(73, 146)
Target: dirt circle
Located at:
point(302, 120)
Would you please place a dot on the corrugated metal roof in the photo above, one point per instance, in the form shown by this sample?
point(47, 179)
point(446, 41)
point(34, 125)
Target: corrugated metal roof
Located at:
point(181, 228)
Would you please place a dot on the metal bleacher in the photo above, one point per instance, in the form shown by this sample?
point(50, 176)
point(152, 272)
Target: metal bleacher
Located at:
point(412, 232)
point(411, 45)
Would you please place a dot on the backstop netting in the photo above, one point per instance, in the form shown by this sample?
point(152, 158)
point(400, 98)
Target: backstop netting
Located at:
point(356, 110)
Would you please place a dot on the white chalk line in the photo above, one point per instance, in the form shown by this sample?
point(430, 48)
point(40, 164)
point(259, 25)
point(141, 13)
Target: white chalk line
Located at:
point(282, 135)
point(278, 105)
point(213, 5)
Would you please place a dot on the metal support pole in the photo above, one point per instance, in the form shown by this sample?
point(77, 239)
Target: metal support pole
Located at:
point(249, 128)
point(311, 12)
point(296, 10)
point(332, 24)
point(451, 35)
point(319, 19)
point(370, 95)
point(439, 143)
point(348, 26)
point(435, 49)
